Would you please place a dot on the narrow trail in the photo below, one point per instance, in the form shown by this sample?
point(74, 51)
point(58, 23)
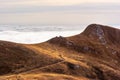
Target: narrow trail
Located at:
point(38, 50)
point(38, 68)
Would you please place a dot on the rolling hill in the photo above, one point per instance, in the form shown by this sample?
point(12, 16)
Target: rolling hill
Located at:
point(93, 54)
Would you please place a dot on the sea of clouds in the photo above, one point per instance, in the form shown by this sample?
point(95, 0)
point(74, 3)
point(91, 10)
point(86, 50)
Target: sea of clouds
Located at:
point(33, 37)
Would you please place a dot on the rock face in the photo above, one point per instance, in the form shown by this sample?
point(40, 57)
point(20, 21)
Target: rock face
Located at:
point(103, 33)
point(92, 55)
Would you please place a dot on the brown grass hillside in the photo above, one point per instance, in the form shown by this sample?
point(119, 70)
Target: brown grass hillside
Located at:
point(92, 55)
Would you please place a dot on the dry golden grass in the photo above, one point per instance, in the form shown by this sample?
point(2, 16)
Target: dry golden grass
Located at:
point(42, 76)
point(80, 57)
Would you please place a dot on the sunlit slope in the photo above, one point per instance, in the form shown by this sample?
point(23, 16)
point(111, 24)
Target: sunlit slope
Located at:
point(92, 55)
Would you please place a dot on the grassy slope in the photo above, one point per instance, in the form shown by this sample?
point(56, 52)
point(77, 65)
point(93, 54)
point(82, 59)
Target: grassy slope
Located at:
point(79, 57)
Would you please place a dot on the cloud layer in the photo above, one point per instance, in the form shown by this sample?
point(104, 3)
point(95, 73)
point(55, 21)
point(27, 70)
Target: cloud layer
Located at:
point(59, 11)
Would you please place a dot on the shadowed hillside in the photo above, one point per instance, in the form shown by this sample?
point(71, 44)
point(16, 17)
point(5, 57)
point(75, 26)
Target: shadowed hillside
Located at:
point(92, 55)
point(16, 58)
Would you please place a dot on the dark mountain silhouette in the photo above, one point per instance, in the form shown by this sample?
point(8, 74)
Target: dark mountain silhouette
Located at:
point(92, 55)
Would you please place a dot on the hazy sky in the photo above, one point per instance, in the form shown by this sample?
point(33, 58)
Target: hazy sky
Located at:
point(59, 12)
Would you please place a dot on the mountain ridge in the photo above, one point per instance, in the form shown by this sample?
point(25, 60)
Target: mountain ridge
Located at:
point(92, 55)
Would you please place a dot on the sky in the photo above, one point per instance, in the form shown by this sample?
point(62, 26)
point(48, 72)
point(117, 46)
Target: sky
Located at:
point(59, 12)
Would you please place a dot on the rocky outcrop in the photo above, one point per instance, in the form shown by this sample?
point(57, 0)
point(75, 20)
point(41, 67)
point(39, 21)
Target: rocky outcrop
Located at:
point(104, 34)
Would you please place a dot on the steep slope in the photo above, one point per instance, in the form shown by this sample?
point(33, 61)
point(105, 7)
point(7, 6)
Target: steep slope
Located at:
point(92, 55)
